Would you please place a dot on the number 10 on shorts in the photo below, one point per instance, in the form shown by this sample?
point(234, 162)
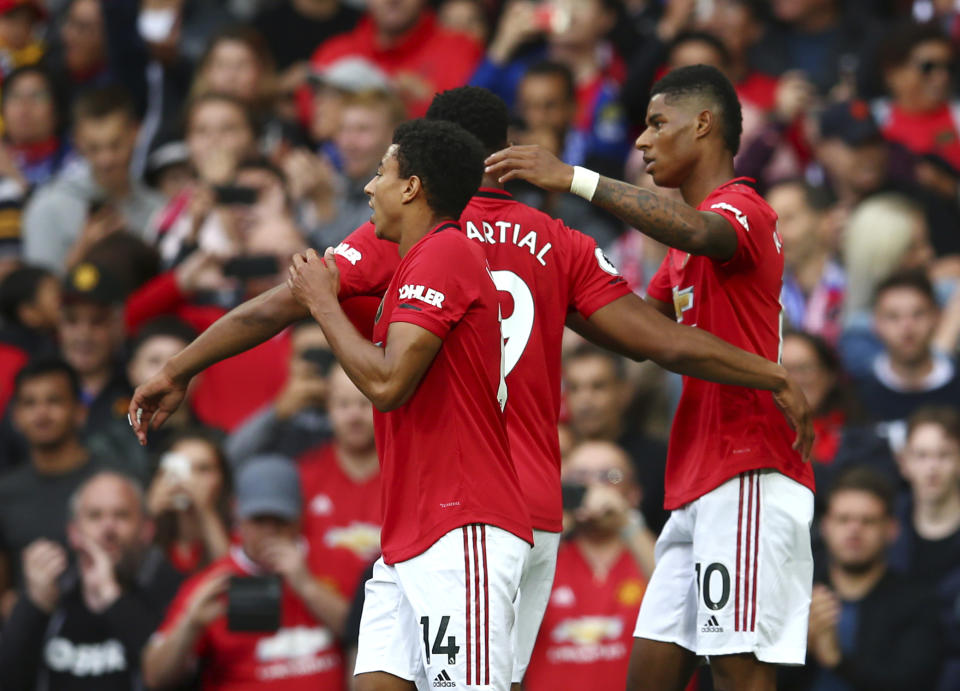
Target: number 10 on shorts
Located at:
point(450, 649)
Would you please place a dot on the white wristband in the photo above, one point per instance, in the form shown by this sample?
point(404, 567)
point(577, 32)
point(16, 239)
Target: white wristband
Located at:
point(584, 183)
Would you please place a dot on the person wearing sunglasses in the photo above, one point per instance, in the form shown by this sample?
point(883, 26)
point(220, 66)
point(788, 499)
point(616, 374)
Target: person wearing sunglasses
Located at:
point(918, 68)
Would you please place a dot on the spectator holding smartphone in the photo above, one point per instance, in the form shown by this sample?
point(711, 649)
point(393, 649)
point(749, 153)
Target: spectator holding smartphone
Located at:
point(83, 625)
point(201, 628)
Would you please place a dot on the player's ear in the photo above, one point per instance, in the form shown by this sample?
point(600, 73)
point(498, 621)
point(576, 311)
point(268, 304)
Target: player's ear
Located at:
point(704, 123)
point(412, 189)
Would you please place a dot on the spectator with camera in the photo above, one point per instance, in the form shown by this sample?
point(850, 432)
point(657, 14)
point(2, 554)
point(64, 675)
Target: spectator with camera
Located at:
point(84, 203)
point(48, 413)
point(189, 500)
point(256, 616)
point(602, 569)
point(870, 627)
point(86, 613)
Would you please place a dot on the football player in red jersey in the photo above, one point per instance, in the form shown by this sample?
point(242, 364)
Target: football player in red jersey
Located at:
point(725, 585)
point(546, 273)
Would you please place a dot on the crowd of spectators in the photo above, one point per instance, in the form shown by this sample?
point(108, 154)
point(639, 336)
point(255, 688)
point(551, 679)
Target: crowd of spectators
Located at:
point(161, 160)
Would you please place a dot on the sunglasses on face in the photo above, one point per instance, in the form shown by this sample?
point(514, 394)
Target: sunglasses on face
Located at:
point(928, 67)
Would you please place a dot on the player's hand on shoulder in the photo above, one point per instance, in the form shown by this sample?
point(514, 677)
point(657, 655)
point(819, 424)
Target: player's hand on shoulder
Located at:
point(313, 280)
point(532, 163)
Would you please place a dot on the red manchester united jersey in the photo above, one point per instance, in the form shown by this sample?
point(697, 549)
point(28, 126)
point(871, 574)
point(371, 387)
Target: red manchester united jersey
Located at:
point(341, 519)
point(587, 630)
point(444, 454)
point(721, 431)
point(543, 269)
point(302, 655)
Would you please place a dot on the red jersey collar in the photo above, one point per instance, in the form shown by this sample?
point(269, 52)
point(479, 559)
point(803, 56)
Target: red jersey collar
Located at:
point(493, 193)
point(420, 33)
point(749, 182)
point(444, 225)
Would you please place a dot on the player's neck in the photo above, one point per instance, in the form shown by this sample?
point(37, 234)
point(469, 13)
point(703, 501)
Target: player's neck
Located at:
point(418, 223)
point(712, 170)
point(853, 586)
point(937, 519)
point(491, 181)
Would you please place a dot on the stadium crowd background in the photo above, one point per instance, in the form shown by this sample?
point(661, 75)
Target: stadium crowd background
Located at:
point(161, 161)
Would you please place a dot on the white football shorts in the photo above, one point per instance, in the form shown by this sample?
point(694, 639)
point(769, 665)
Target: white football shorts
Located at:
point(734, 571)
point(444, 619)
point(536, 584)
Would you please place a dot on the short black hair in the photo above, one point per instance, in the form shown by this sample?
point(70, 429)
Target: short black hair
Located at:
point(552, 68)
point(915, 279)
point(704, 80)
point(477, 110)
point(586, 351)
point(96, 104)
point(902, 40)
point(42, 367)
point(702, 37)
point(173, 327)
point(864, 479)
point(447, 159)
point(945, 417)
point(19, 287)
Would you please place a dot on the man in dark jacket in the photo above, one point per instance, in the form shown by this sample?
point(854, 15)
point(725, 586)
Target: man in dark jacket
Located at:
point(870, 628)
point(82, 626)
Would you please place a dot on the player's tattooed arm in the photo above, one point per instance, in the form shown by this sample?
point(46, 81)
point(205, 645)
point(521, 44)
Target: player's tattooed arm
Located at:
point(671, 222)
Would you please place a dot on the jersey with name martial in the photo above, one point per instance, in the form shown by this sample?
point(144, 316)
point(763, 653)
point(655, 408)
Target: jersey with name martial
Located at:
point(543, 270)
point(720, 431)
point(444, 453)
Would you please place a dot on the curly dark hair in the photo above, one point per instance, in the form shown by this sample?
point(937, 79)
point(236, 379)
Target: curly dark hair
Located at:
point(709, 82)
point(447, 159)
point(477, 110)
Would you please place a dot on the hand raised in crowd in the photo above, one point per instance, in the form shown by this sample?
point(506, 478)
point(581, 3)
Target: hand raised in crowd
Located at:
point(604, 505)
point(793, 404)
point(43, 563)
point(97, 572)
point(518, 24)
point(208, 601)
point(153, 402)
point(793, 97)
point(285, 557)
point(101, 223)
point(201, 271)
point(534, 164)
point(165, 494)
point(309, 175)
point(314, 280)
point(10, 169)
point(822, 635)
point(305, 388)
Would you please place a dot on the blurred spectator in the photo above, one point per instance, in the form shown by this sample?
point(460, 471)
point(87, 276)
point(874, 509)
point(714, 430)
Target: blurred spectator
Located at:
point(587, 630)
point(404, 39)
point(86, 202)
point(238, 63)
point(220, 132)
point(294, 28)
point(341, 492)
point(858, 600)
point(91, 336)
point(547, 107)
point(168, 168)
point(82, 626)
point(29, 313)
point(465, 16)
point(366, 128)
point(814, 284)
point(189, 499)
point(302, 652)
point(918, 62)
point(21, 31)
point(297, 419)
point(32, 121)
point(909, 373)
point(48, 412)
point(596, 396)
point(79, 60)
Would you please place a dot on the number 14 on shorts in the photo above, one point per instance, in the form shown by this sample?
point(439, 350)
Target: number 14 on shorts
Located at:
point(450, 648)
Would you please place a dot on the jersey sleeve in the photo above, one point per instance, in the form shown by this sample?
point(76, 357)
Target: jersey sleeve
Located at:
point(748, 220)
point(594, 280)
point(366, 263)
point(660, 287)
point(435, 288)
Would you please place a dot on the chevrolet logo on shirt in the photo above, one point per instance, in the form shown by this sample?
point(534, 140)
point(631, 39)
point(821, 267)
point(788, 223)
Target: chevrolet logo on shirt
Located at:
point(422, 293)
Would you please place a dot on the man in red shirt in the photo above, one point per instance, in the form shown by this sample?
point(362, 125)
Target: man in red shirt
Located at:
point(341, 491)
point(584, 641)
point(404, 39)
point(730, 457)
point(300, 655)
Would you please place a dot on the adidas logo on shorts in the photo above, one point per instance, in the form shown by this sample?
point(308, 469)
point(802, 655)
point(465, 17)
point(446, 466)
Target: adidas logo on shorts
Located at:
point(712, 626)
point(443, 681)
